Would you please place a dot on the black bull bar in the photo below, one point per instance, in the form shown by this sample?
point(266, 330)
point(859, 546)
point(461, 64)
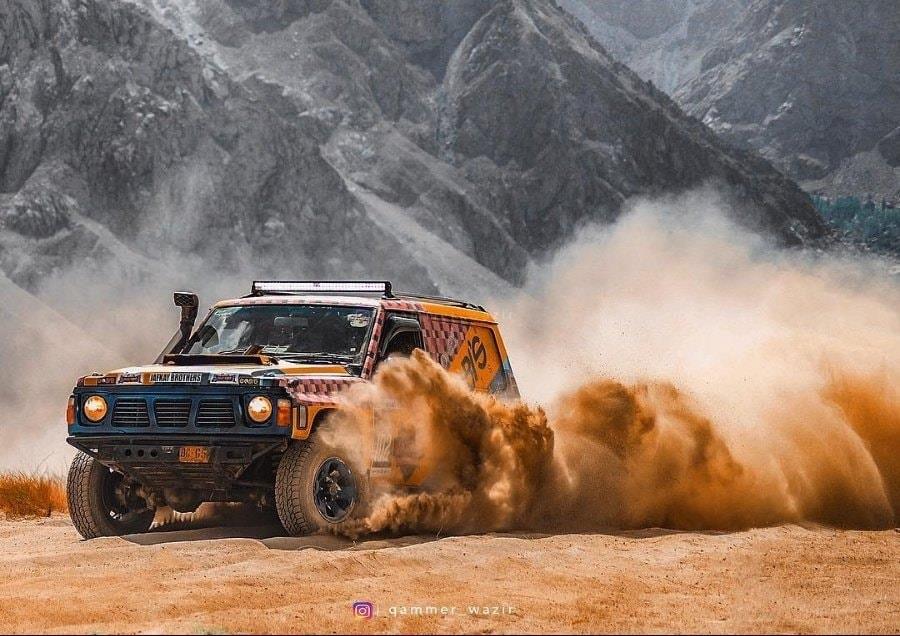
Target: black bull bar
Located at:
point(158, 461)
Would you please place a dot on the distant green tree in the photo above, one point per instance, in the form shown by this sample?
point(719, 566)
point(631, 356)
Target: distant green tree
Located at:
point(863, 222)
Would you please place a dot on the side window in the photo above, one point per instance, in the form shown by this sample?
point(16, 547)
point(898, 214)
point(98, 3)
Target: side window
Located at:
point(402, 334)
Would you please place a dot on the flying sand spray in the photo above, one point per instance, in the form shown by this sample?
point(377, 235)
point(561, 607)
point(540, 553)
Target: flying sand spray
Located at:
point(692, 378)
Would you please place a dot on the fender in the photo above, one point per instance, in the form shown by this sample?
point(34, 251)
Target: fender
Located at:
point(315, 415)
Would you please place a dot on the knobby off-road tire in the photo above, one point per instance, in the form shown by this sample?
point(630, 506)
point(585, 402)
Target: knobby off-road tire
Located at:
point(93, 506)
point(308, 468)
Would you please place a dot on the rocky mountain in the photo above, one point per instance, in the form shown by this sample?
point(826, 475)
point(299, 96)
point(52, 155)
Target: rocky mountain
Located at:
point(118, 139)
point(663, 41)
point(813, 86)
point(442, 144)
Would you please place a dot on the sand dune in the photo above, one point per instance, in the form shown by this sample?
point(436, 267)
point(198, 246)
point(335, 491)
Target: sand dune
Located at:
point(224, 580)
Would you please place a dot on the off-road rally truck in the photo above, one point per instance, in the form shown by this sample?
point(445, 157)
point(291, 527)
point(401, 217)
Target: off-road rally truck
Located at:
point(229, 411)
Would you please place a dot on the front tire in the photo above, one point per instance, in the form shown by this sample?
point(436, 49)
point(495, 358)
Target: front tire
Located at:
point(100, 502)
point(317, 488)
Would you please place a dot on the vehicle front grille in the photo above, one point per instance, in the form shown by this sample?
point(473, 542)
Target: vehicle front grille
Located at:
point(172, 412)
point(130, 412)
point(216, 413)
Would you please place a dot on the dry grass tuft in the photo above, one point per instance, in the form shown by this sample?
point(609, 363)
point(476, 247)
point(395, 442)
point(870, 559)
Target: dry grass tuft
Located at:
point(25, 495)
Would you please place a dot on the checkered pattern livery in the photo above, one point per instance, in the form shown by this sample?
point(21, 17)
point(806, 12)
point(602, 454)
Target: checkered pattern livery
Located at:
point(317, 390)
point(443, 337)
point(407, 306)
point(394, 304)
point(374, 342)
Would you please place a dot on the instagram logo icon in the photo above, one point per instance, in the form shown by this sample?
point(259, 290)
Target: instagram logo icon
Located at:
point(363, 609)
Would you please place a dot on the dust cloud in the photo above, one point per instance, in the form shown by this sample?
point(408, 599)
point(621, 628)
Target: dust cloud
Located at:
point(102, 315)
point(676, 372)
point(490, 458)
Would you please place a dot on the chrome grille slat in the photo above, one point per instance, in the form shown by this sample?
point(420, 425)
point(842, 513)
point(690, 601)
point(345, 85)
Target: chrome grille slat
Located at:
point(172, 412)
point(130, 412)
point(216, 413)
point(205, 412)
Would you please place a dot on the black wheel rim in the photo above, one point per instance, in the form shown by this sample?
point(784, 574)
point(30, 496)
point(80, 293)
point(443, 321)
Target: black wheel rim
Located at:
point(113, 501)
point(334, 490)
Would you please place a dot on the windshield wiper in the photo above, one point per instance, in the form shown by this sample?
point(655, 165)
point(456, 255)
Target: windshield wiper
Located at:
point(318, 355)
point(249, 350)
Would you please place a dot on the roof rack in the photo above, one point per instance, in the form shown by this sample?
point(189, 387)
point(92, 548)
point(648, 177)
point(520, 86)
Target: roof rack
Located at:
point(381, 287)
point(443, 300)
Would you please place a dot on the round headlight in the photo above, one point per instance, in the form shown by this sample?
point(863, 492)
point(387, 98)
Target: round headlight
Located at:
point(259, 409)
point(95, 408)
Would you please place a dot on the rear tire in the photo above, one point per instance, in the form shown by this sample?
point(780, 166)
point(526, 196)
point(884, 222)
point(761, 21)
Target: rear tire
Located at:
point(317, 488)
point(97, 505)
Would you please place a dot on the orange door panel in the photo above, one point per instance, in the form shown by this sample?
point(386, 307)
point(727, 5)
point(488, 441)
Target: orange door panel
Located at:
point(478, 358)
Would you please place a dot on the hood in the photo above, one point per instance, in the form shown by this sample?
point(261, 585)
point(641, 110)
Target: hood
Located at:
point(250, 374)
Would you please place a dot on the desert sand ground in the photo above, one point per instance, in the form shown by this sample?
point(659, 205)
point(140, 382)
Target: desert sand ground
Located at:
point(225, 580)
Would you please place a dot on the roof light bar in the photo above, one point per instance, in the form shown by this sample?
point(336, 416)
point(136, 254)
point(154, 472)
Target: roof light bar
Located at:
point(313, 287)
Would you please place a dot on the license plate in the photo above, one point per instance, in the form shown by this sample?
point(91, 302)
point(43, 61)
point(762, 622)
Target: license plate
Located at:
point(193, 454)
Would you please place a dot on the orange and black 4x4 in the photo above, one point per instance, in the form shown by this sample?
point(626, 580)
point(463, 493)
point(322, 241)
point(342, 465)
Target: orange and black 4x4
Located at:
point(230, 410)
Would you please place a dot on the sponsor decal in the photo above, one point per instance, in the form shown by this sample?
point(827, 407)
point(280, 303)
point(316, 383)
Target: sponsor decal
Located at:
point(358, 321)
point(130, 378)
point(107, 379)
point(181, 377)
point(246, 381)
point(475, 356)
point(478, 358)
point(223, 378)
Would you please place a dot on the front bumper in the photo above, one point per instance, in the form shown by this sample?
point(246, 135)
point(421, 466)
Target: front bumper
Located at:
point(154, 460)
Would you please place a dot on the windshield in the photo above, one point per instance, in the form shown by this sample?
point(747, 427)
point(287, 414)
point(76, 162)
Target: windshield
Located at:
point(298, 331)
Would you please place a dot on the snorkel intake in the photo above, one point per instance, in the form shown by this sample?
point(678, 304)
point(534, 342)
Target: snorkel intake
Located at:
point(189, 304)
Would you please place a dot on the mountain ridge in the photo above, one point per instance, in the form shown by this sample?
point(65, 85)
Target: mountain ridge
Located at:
point(240, 133)
point(814, 87)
